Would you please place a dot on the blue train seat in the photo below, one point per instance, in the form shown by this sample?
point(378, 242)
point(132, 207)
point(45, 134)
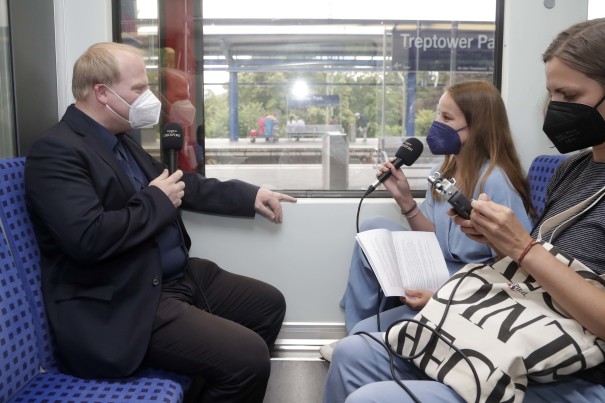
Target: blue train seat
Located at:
point(28, 370)
point(540, 171)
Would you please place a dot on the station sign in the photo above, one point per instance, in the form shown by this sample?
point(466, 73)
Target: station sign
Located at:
point(443, 46)
point(314, 100)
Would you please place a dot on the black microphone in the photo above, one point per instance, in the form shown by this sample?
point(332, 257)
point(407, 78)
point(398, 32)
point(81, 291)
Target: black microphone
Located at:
point(171, 141)
point(407, 154)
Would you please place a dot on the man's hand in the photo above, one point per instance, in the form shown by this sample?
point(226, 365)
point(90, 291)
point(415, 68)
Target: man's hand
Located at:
point(416, 299)
point(171, 185)
point(268, 204)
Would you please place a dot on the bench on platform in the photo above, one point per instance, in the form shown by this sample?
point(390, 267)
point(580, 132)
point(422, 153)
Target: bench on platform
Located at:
point(296, 132)
point(28, 370)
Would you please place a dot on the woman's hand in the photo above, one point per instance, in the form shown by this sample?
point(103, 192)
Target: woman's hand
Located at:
point(496, 225)
point(397, 185)
point(416, 299)
point(466, 226)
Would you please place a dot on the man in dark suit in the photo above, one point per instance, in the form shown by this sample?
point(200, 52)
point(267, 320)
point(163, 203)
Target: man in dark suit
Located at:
point(120, 288)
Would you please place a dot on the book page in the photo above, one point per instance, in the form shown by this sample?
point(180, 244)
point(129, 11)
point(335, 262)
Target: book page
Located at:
point(377, 244)
point(404, 260)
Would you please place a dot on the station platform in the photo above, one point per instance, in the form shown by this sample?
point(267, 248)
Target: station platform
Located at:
point(306, 150)
point(297, 165)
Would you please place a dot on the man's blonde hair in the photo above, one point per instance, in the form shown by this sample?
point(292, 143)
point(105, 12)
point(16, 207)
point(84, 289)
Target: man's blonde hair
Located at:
point(98, 65)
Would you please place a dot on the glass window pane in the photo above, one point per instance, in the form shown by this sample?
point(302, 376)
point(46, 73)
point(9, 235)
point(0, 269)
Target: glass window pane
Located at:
point(321, 101)
point(313, 96)
point(596, 9)
point(139, 27)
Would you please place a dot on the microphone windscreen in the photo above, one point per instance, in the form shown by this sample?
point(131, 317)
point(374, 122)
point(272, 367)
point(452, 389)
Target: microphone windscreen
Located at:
point(171, 136)
point(410, 150)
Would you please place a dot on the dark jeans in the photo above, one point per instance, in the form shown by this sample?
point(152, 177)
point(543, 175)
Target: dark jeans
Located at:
point(220, 326)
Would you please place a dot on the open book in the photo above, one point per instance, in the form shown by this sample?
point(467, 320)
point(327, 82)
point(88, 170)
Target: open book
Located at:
point(403, 260)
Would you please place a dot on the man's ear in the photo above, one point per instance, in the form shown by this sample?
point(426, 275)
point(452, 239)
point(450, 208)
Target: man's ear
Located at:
point(100, 91)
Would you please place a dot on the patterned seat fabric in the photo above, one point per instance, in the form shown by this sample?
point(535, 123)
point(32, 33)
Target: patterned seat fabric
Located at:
point(540, 171)
point(28, 372)
point(18, 351)
point(24, 248)
point(57, 387)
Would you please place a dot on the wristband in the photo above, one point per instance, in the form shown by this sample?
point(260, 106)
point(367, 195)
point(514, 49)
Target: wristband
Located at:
point(413, 214)
point(405, 213)
point(527, 249)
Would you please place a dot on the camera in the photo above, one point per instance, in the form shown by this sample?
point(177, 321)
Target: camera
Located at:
point(447, 187)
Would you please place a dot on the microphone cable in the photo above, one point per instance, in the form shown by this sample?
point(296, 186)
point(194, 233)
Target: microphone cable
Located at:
point(407, 154)
point(392, 356)
point(199, 288)
point(358, 210)
point(197, 285)
point(436, 334)
point(379, 295)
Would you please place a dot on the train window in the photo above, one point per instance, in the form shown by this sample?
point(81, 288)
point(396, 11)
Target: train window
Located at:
point(596, 9)
point(7, 132)
point(310, 97)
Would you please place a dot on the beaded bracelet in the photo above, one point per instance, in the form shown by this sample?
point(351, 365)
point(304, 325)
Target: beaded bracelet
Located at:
point(405, 213)
point(527, 248)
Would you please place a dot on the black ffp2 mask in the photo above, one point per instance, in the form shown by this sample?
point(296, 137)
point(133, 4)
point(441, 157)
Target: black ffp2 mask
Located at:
point(571, 126)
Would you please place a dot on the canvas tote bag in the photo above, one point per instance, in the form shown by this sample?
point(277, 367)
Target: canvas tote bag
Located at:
point(502, 327)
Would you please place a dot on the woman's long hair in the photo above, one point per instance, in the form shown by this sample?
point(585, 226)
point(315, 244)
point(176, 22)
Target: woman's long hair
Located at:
point(489, 139)
point(581, 47)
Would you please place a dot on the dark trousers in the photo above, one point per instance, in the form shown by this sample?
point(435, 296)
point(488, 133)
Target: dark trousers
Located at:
point(220, 326)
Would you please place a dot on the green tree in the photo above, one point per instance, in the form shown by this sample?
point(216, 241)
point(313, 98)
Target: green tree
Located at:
point(248, 117)
point(267, 92)
point(424, 120)
point(261, 93)
point(216, 115)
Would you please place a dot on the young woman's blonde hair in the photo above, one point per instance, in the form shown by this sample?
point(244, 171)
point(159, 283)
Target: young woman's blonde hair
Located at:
point(489, 140)
point(98, 65)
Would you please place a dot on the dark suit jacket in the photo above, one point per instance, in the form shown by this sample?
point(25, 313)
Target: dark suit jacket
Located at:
point(101, 273)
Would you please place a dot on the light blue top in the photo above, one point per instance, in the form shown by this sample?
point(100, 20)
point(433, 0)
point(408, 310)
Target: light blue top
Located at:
point(457, 248)
point(362, 297)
